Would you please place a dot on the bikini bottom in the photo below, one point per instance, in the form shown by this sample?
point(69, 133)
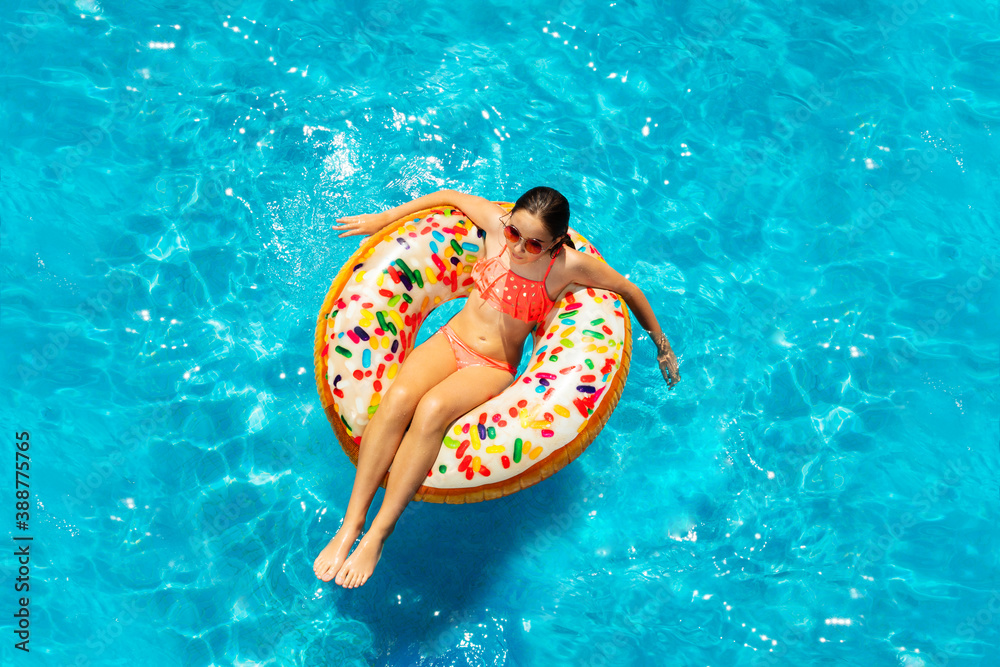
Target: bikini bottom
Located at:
point(465, 356)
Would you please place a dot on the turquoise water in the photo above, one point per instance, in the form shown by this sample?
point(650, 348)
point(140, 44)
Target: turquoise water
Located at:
point(806, 194)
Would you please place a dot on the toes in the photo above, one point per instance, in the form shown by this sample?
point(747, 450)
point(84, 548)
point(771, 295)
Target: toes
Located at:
point(322, 568)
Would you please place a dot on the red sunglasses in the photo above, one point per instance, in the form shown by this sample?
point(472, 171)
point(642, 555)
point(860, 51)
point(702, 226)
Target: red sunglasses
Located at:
point(512, 234)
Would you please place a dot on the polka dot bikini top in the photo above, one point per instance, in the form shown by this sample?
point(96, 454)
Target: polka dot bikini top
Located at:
point(511, 294)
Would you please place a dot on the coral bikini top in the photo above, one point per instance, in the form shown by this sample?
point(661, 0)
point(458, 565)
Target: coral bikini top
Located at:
point(511, 294)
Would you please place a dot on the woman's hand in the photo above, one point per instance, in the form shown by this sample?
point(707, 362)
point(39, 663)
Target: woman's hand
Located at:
point(667, 360)
point(366, 224)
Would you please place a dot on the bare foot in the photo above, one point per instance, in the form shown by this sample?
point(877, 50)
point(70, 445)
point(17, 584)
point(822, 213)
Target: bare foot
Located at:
point(362, 562)
point(331, 558)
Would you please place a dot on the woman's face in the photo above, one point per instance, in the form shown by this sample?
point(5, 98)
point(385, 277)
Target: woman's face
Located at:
point(529, 228)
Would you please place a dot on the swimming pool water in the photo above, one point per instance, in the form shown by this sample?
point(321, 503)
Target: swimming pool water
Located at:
point(805, 193)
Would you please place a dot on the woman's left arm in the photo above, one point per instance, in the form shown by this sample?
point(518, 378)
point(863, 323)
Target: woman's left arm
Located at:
point(592, 272)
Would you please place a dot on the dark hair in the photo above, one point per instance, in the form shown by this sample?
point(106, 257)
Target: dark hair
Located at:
point(552, 209)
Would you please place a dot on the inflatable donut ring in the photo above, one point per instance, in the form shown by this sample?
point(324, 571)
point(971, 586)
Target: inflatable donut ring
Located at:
point(541, 422)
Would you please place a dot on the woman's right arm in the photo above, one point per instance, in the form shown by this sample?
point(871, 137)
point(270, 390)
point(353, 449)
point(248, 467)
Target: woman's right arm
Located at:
point(482, 212)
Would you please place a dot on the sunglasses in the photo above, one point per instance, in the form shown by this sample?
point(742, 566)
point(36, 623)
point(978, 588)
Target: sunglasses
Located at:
point(512, 234)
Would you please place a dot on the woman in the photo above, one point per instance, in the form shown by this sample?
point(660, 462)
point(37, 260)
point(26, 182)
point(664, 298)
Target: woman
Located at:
point(529, 258)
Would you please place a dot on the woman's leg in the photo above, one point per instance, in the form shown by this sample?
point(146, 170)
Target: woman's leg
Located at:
point(457, 394)
point(425, 366)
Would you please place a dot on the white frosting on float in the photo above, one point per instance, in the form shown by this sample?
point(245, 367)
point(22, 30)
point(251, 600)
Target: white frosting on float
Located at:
point(545, 418)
